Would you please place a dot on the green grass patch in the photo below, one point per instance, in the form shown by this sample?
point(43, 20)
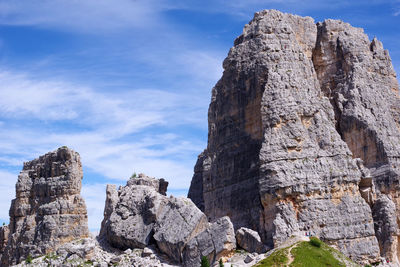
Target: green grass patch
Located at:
point(307, 254)
point(278, 258)
point(315, 242)
point(314, 253)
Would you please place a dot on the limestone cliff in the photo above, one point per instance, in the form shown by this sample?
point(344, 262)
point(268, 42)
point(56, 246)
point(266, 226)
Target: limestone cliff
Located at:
point(297, 106)
point(48, 209)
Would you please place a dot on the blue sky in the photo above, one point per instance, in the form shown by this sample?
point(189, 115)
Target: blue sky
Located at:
point(127, 83)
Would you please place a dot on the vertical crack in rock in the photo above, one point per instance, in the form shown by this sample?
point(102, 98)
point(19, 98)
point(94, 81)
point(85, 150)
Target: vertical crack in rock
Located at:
point(48, 209)
point(358, 78)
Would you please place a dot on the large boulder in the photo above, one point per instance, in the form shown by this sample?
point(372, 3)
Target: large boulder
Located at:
point(48, 210)
point(216, 241)
point(140, 214)
point(177, 223)
point(250, 240)
point(130, 215)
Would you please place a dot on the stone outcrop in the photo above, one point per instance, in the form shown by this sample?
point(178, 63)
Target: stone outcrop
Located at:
point(4, 232)
point(358, 77)
point(250, 240)
point(304, 136)
point(217, 241)
point(48, 210)
point(140, 214)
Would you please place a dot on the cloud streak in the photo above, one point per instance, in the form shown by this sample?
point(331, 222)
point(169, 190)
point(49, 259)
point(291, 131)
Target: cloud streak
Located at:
point(111, 131)
point(83, 16)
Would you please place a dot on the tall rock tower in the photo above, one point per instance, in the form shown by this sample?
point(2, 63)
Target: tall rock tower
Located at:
point(48, 209)
point(304, 137)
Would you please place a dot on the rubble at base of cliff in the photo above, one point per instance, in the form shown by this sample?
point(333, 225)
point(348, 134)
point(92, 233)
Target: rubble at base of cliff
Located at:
point(92, 252)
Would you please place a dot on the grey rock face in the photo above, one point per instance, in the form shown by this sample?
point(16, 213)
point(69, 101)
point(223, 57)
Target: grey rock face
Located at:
point(177, 223)
point(358, 77)
point(111, 202)
point(131, 213)
point(250, 240)
point(4, 232)
point(297, 104)
point(48, 209)
point(139, 214)
point(216, 241)
point(386, 227)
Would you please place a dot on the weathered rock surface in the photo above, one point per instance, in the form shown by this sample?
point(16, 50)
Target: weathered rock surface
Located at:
point(217, 241)
point(4, 232)
point(297, 104)
point(386, 227)
point(358, 77)
point(178, 222)
point(250, 240)
point(89, 252)
point(139, 214)
point(48, 210)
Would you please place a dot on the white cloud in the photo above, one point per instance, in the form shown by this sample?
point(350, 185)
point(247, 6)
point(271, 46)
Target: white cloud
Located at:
point(23, 97)
point(7, 193)
point(89, 15)
point(109, 130)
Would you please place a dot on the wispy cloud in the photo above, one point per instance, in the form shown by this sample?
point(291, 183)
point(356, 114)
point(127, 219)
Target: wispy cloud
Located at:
point(115, 133)
point(7, 193)
point(88, 15)
point(109, 130)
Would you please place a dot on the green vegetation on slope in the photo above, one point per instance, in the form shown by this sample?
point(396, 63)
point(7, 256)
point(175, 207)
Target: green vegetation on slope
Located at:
point(314, 253)
point(279, 259)
point(307, 254)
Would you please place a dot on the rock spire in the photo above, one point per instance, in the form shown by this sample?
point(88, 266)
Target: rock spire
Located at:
point(48, 210)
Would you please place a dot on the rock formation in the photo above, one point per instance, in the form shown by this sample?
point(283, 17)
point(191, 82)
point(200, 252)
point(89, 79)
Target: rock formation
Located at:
point(215, 242)
point(139, 214)
point(304, 130)
point(250, 240)
point(48, 210)
point(4, 232)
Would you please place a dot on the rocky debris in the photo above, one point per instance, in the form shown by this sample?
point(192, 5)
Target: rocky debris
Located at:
point(139, 214)
point(304, 135)
point(48, 210)
point(215, 242)
point(248, 259)
point(250, 240)
point(82, 248)
point(89, 252)
point(147, 252)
